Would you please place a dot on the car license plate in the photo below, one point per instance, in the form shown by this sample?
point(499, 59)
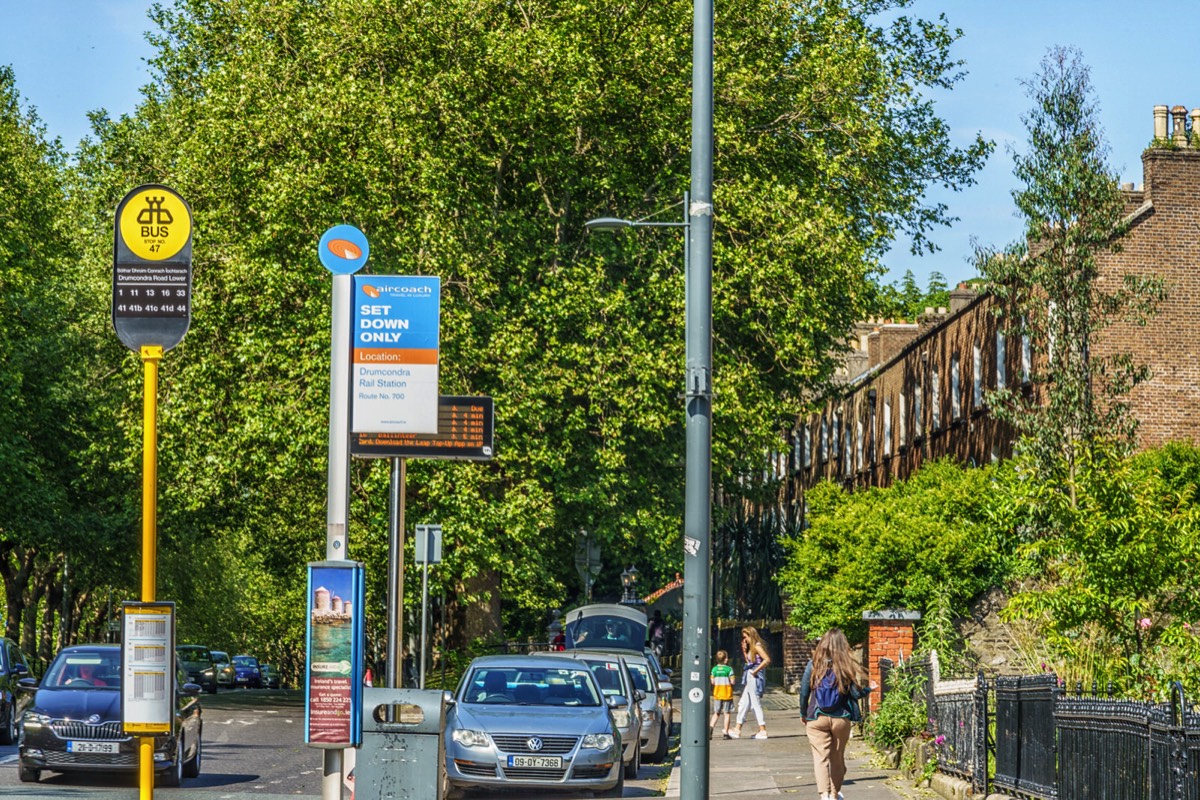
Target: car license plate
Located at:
point(93, 747)
point(537, 762)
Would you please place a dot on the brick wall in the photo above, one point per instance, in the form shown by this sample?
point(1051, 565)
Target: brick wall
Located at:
point(890, 634)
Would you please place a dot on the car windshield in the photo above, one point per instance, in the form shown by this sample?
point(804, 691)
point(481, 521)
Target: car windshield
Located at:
point(193, 653)
point(641, 677)
point(85, 670)
point(219, 657)
point(245, 661)
point(555, 686)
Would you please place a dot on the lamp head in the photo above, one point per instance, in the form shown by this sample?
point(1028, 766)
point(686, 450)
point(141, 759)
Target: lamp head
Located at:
point(607, 224)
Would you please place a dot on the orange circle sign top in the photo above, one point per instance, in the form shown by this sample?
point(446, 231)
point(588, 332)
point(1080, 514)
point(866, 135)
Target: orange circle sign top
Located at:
point(155, 224)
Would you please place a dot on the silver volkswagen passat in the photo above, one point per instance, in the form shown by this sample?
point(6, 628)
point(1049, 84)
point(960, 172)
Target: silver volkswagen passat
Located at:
point(536, 722)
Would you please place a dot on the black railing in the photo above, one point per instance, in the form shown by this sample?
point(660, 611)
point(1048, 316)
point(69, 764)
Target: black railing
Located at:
point(1051, 744)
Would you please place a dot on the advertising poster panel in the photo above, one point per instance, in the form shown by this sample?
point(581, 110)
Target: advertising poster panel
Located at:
point(394, 383)
point(333, 673)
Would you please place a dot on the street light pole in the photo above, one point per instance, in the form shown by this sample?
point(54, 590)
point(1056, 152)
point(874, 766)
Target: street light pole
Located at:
point(697, 516)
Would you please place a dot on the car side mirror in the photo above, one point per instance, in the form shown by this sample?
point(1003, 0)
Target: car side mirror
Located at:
point(28, 684)
point(666, 687)
point(617, 701)
point(448, 698)
point(190, 690)
point(639, 695)
point(20, 669)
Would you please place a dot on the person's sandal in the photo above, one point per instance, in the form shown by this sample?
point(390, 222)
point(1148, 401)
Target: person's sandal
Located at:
point(734, 735)
point(760, 735)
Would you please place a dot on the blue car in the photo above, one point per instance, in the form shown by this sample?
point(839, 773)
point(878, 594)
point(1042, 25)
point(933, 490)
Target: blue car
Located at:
point(247, 672)
point(534, 723)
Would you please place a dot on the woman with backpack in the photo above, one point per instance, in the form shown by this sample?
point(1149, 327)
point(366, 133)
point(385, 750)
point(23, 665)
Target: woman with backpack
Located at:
point(832, 685)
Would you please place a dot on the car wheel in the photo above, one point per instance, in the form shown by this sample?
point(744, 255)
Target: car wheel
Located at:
point(8, 733)
point(635, 763)
point(191, 767)
point(616, 791)
point(173, 776)
point(660, 752)
point(28, 774)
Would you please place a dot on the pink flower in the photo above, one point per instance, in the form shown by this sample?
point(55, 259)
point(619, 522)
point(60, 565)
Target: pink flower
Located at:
point(940, 740)
point(1144, 622)
point(1187, 626)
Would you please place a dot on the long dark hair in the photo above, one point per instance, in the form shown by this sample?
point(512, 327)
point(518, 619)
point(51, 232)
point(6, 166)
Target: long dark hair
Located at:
point(833, 652)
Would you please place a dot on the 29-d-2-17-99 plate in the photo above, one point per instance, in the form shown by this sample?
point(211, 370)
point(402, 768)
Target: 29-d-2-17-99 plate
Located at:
point(93, 747)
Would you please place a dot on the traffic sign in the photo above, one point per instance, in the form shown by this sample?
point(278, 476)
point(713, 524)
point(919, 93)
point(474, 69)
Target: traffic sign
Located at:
point(152, 268)
point(465, 428)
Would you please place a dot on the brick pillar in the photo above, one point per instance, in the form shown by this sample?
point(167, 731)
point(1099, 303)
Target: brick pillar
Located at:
point(890, 634)
point(797, 651)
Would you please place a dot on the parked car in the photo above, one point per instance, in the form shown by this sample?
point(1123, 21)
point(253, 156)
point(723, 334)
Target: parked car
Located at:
point(607, 626)
point(270, 676)
point(658, 715)
point(197, 661)
point(74, 721)
point(532, 722)
point(14, 665)
point(246, 672)
point(224, 668)
point(616, 684)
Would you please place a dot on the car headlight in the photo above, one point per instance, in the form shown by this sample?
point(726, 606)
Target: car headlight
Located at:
point(34, 718)
point(469, 738)
point(648, 716)
point(597, 741)
point(621, 717)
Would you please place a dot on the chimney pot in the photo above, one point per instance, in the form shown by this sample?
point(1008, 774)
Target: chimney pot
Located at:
point(1179, 126)
point(1195, 123)
point(1127, 187)
point(928, 310)
point(1160, 122)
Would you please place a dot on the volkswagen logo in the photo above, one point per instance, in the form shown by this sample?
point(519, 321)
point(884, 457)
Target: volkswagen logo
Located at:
point(534, 743)
point(93, 719)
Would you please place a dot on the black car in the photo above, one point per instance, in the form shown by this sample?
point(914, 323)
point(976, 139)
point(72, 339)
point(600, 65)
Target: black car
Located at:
point(200, 665)
point(13, 666)
point(74, 721)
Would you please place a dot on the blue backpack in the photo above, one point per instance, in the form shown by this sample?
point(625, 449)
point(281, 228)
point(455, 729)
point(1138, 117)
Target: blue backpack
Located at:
point(828, 698)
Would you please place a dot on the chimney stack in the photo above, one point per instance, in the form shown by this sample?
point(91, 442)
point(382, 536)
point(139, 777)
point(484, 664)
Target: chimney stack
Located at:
point(1160, 122)
point(1179, 127)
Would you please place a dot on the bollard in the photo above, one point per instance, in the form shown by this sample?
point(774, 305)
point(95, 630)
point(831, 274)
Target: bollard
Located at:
point(402, 756)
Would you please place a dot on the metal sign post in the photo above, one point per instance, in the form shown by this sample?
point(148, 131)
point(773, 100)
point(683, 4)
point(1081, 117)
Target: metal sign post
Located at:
point(151, 312)
point(428, 550)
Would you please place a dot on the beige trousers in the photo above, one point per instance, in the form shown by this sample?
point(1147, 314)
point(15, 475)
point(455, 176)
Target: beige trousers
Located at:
point(827, 736)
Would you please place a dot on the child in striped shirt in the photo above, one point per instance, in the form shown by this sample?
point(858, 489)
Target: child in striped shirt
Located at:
point(722, 692)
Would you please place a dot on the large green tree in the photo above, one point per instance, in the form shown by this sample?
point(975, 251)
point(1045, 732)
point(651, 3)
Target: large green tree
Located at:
point(471, 140)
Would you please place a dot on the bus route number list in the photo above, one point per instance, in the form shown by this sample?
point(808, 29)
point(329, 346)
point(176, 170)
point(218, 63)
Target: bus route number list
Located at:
point(151, 290)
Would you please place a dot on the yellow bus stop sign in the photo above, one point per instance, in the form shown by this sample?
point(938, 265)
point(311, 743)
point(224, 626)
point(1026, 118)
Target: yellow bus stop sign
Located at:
point(155, 223)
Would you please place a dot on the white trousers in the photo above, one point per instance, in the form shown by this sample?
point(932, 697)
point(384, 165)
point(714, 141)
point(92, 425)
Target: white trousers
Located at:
point(750, 701)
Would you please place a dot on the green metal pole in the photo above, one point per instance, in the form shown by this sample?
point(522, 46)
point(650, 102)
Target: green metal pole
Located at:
point(697, 521)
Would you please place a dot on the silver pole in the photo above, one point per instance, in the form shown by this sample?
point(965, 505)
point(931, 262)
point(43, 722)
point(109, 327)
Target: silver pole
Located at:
point(338, 496)
point(395, 605)
point(697, 544)
point(424, 609)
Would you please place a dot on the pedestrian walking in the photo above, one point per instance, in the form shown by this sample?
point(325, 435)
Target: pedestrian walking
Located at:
point(754, 681)
point(721, 679)
point(830, 691)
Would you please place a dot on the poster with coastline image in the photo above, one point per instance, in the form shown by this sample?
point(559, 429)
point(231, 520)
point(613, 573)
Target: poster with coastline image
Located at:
point(333, 685)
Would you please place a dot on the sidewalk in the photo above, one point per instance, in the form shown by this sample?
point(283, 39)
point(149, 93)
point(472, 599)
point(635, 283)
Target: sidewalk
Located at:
point(749, 769)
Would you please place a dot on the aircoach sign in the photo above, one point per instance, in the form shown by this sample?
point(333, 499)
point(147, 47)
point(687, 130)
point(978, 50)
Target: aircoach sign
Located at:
point(394, 383)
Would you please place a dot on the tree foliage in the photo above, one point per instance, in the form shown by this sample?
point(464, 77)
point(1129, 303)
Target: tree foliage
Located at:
point(917, 544)
point(1050, 287)
point(471, 140)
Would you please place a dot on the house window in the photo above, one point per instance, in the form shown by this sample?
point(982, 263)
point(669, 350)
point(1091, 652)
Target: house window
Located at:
point(824, 439)
point(806, 447)
point(935, 399)
point(887, 427)
point(903, 419)
point(918, 419)
point(977, 376)
point(955, 389)
point(836, 433)
point(858, 447)
point(1001, 360)
point(847, 463)
point(1026, 358)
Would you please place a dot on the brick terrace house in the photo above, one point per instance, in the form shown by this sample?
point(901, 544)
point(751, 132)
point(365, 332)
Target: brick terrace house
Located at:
point(912, 392)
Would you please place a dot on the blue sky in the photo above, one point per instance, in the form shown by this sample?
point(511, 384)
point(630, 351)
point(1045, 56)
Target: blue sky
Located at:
point(72, 56)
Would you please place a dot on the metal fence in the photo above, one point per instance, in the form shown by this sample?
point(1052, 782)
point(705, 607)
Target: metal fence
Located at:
point(1051, 743)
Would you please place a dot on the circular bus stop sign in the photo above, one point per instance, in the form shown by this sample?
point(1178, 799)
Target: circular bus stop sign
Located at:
point(152, 268)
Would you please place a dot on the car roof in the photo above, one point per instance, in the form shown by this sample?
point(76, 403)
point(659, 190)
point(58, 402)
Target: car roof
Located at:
point(630, 613)
point(516, 659)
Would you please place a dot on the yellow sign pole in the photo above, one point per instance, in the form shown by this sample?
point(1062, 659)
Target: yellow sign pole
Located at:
point(151, 355)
